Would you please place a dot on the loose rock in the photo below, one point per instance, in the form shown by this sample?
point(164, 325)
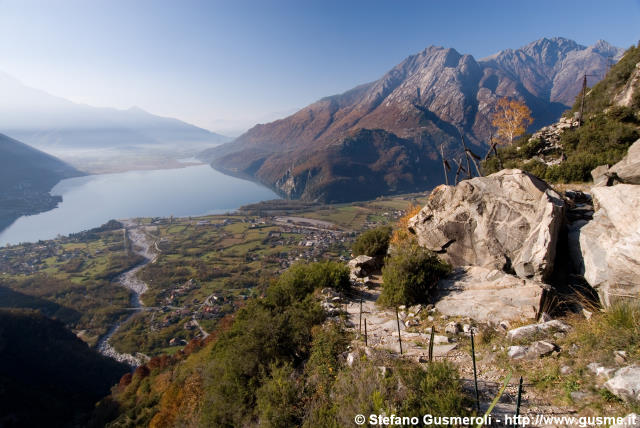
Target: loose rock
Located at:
point(528, 331)
point(625, 384)
point(517, 352)
point(452, 328)
point(540, 349)
point(362, 266)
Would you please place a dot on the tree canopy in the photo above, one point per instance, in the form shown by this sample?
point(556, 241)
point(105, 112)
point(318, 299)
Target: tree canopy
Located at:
point(511, 118)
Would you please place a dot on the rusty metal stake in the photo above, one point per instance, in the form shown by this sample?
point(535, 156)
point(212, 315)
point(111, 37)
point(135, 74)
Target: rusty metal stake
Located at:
point(475, 374)
point(399, 336)
point(365, 333)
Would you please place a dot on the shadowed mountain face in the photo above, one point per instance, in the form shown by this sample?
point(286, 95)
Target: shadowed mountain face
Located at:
point(423, 102)
point(26, 177)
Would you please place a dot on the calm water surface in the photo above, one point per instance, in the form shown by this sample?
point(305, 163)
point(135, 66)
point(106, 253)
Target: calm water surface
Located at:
point(90, 201)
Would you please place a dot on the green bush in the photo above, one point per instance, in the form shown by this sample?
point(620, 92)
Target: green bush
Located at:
point(372, 243)
point(410, 275)
point(404, 388)
point(250, 371)
point(301, 279)
point(278, 397)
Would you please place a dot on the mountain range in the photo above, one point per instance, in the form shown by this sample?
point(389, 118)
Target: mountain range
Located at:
point(61, 127)
point(385, 136)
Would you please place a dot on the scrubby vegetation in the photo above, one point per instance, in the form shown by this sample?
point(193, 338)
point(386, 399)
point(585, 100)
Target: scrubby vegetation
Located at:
point(410, 275)
point(372, 243)
point(604, 137)
point(280, 363)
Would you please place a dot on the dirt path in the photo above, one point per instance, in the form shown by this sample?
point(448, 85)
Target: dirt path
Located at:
point(382, 333)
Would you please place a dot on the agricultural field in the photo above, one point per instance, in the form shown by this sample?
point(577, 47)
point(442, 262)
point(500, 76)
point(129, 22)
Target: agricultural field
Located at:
point(70, 279)
point(205, 268)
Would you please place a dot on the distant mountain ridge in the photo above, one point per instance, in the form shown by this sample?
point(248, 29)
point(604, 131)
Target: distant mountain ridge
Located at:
point(47, 121)
point(399, 121)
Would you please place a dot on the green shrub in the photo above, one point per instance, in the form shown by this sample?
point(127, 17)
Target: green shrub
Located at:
point(268, 334)
point(301, 279)
point(410, 274)
point(404, 388)
point(436, 390)
point(277, 398)
point(372, 243)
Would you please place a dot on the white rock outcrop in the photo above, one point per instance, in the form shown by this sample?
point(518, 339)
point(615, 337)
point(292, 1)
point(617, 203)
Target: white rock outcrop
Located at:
point(508, 220)
point(610, 243)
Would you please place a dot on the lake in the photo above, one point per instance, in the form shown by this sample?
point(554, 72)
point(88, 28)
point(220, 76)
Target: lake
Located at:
point(91, 201)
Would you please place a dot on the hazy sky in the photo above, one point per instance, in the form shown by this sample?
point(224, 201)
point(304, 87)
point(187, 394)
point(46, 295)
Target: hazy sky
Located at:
point(226, 65)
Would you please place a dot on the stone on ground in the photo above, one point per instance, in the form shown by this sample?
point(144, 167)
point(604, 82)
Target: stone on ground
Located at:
point(625, 384)
point(528, 331)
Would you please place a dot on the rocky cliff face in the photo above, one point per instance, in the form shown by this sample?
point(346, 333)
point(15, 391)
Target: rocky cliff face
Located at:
point(424, 102)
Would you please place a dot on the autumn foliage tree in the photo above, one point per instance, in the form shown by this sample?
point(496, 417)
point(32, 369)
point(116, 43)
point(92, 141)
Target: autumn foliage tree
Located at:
point(511, 119)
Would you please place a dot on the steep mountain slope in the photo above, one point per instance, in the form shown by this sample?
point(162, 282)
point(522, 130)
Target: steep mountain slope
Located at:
point(46, 121)
point(423, 102)
point(565, 152)
point(26, 176)
point(48, 377)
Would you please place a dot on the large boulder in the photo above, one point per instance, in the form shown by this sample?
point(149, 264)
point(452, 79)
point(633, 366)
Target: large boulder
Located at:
point(488, 295)
point(628, 169)
point(508, 221)
point(610, 243)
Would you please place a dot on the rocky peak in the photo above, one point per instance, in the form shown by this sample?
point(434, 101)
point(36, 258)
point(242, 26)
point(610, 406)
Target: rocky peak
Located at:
point(604, 48)
point(420, 104)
